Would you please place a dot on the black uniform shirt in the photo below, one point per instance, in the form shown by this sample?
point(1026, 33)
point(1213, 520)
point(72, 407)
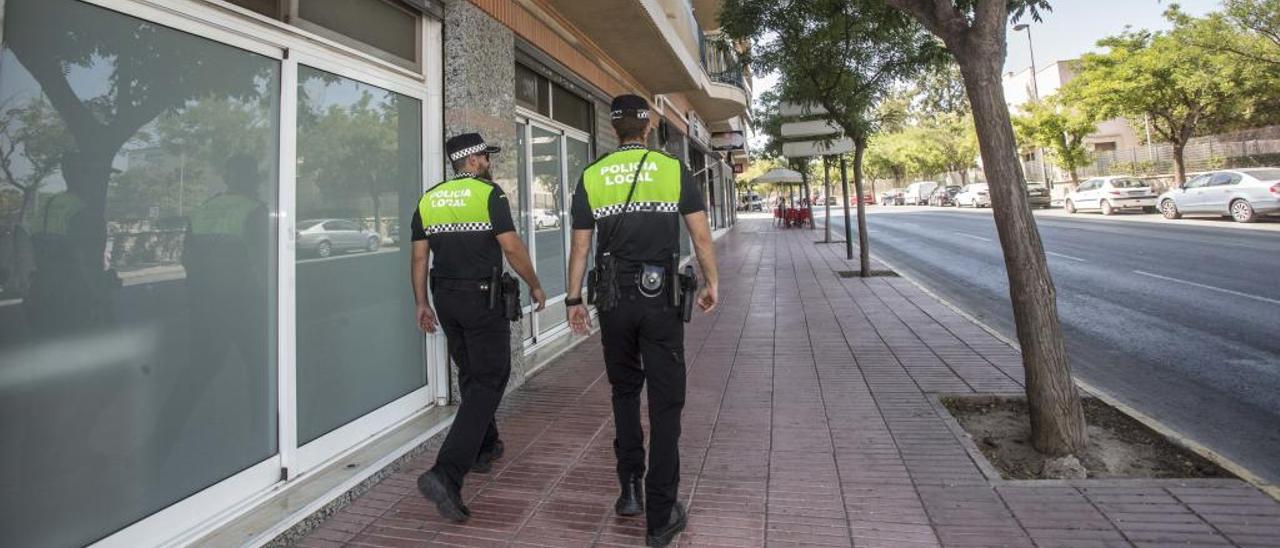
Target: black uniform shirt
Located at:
point(467, 252)
point(652, 233)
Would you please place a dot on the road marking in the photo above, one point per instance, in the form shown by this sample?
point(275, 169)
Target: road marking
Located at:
point(1209, 287)
point(1068, 257)
point(972, 236)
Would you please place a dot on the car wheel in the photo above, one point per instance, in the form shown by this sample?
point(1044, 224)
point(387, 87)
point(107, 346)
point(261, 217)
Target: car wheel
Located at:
point(1170, 210)
point(1106, 208)
point(1069, 206)
point(1242, 212)
point(324, 249)
point(373, 244)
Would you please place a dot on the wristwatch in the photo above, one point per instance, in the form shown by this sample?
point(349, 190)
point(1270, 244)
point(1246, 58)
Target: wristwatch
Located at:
point(570, 301)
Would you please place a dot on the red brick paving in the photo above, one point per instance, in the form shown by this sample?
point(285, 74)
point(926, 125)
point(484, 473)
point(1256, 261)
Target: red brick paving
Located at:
point(807, 424)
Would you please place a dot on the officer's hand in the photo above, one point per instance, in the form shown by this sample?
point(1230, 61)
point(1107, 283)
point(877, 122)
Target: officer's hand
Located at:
point(426, 318)
point(539, 297)
point(708, 298)
point(579, 319)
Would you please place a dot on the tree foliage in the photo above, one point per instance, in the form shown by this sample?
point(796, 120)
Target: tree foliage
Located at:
point(1185, 91)
point(1060, 129)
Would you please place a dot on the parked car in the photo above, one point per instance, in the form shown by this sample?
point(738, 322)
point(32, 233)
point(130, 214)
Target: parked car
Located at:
point(545, 219)
point(973, 195)
point(832, 200)
point(752, 202)
point(944, 196)
point(917, 193)
point(868, 198)
point(1038, 195)
point(891, 197)
point(1111, 194)
point(324, 237)
point(1244, 194)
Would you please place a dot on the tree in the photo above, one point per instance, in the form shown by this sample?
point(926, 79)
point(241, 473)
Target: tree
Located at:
point(1185, 91)
point(34, 135)
point(360, 157)
point(974, 31)
point(843, 55)
point(150, 70)
point(1059, 128)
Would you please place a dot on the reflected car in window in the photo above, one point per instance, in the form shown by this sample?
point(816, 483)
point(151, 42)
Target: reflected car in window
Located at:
point(325, 237)
point(1244, 194)
point(545, 219)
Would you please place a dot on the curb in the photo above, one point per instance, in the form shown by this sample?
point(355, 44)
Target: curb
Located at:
point(1175, 436)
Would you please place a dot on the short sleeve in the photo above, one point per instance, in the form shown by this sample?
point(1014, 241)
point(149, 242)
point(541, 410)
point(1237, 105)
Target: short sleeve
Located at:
point(690, 193)
point(415, 227)
point(581, 209)
point(500, 212)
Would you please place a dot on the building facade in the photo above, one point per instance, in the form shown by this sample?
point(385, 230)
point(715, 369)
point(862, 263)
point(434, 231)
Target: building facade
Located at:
point(204, 225)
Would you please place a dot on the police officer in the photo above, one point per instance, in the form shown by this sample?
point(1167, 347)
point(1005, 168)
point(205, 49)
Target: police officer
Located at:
point(467, 222)
point(637, 198)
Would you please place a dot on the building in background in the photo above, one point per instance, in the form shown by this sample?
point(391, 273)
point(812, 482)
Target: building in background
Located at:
point(205, 327)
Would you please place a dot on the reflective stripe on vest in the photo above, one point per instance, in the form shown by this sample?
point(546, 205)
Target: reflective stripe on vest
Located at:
point(223, 215)
point(608, 181)
point(58, 212)
point(456, 205)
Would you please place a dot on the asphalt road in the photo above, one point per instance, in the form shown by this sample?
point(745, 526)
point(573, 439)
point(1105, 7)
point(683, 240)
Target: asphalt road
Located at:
point(1180, 321)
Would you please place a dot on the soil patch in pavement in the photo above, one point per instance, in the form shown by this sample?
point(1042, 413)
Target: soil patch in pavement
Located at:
point(1119, 446)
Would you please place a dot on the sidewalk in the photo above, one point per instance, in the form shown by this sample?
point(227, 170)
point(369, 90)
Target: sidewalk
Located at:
point(807, 423)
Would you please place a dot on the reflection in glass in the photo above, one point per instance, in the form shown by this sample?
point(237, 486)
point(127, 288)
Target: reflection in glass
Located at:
point(548, 213)
point(136, 268)
point(359, 180)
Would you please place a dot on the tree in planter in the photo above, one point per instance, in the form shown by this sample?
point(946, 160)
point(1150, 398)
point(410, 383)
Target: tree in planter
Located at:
point(1185, 91)
point(843, 55)
point(974, 31)
point(1058, 128)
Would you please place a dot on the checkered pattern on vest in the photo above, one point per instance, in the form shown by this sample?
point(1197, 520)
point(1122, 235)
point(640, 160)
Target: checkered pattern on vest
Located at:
point(652, 207)
point(460, 227)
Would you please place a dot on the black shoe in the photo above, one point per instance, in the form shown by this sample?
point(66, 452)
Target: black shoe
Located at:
point(631, 501)
point(448, 503)
point(484, 462)
point(663, 536)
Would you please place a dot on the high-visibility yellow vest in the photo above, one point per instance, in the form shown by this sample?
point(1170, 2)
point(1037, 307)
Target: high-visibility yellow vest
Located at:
point(456, 205)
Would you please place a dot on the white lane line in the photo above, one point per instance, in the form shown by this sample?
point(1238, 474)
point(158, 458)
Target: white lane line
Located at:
point(1209, 287)
point(1067, 257)
point(972, 236)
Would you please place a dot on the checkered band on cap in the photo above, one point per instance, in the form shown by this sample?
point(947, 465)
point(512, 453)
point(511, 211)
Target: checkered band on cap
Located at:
point(618, 114)
point(650, 207)
point(460, 227)
point(474, 149)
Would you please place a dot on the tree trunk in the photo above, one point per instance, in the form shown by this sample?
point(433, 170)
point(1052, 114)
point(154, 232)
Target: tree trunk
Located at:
point(826, 199)
point(1075, 178)
point(864, 249)
point(1179, 163)
point(1057, 419)
point(28, 204)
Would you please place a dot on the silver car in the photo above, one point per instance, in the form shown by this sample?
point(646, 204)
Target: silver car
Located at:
point(1243, 194)
point(324, 237)
point(1111, 194)
point(973, 195)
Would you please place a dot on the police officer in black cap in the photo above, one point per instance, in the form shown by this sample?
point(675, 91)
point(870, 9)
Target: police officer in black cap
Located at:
point(636, 199)
point(467, 222)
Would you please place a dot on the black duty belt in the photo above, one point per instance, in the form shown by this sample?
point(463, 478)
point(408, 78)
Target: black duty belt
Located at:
point(454, 284)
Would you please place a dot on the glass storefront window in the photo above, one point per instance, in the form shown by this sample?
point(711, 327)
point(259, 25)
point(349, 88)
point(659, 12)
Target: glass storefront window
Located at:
point(359, 180)
point(137, 353)
point(548, 213)
point(571, 110)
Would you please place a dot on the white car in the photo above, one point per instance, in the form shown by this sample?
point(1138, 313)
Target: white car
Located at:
point(918, 193)
point(545, 219)
point(1244, 194)
point(973, 195)
point(1111, 194)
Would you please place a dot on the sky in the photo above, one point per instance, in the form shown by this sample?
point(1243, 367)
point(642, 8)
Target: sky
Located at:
point(1073, 28)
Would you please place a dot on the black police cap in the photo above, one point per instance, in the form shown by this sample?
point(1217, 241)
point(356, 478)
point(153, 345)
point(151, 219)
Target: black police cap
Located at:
point(631, 106)
point(465, 144)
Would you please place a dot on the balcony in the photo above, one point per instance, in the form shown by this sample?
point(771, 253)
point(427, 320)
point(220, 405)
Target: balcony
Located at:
point(726, 90)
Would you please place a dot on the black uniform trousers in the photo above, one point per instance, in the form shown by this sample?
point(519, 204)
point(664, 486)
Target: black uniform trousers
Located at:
point(644, 342)
point(479, 343)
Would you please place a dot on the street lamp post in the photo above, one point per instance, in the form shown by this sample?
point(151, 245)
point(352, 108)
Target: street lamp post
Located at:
point(1035, 96)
